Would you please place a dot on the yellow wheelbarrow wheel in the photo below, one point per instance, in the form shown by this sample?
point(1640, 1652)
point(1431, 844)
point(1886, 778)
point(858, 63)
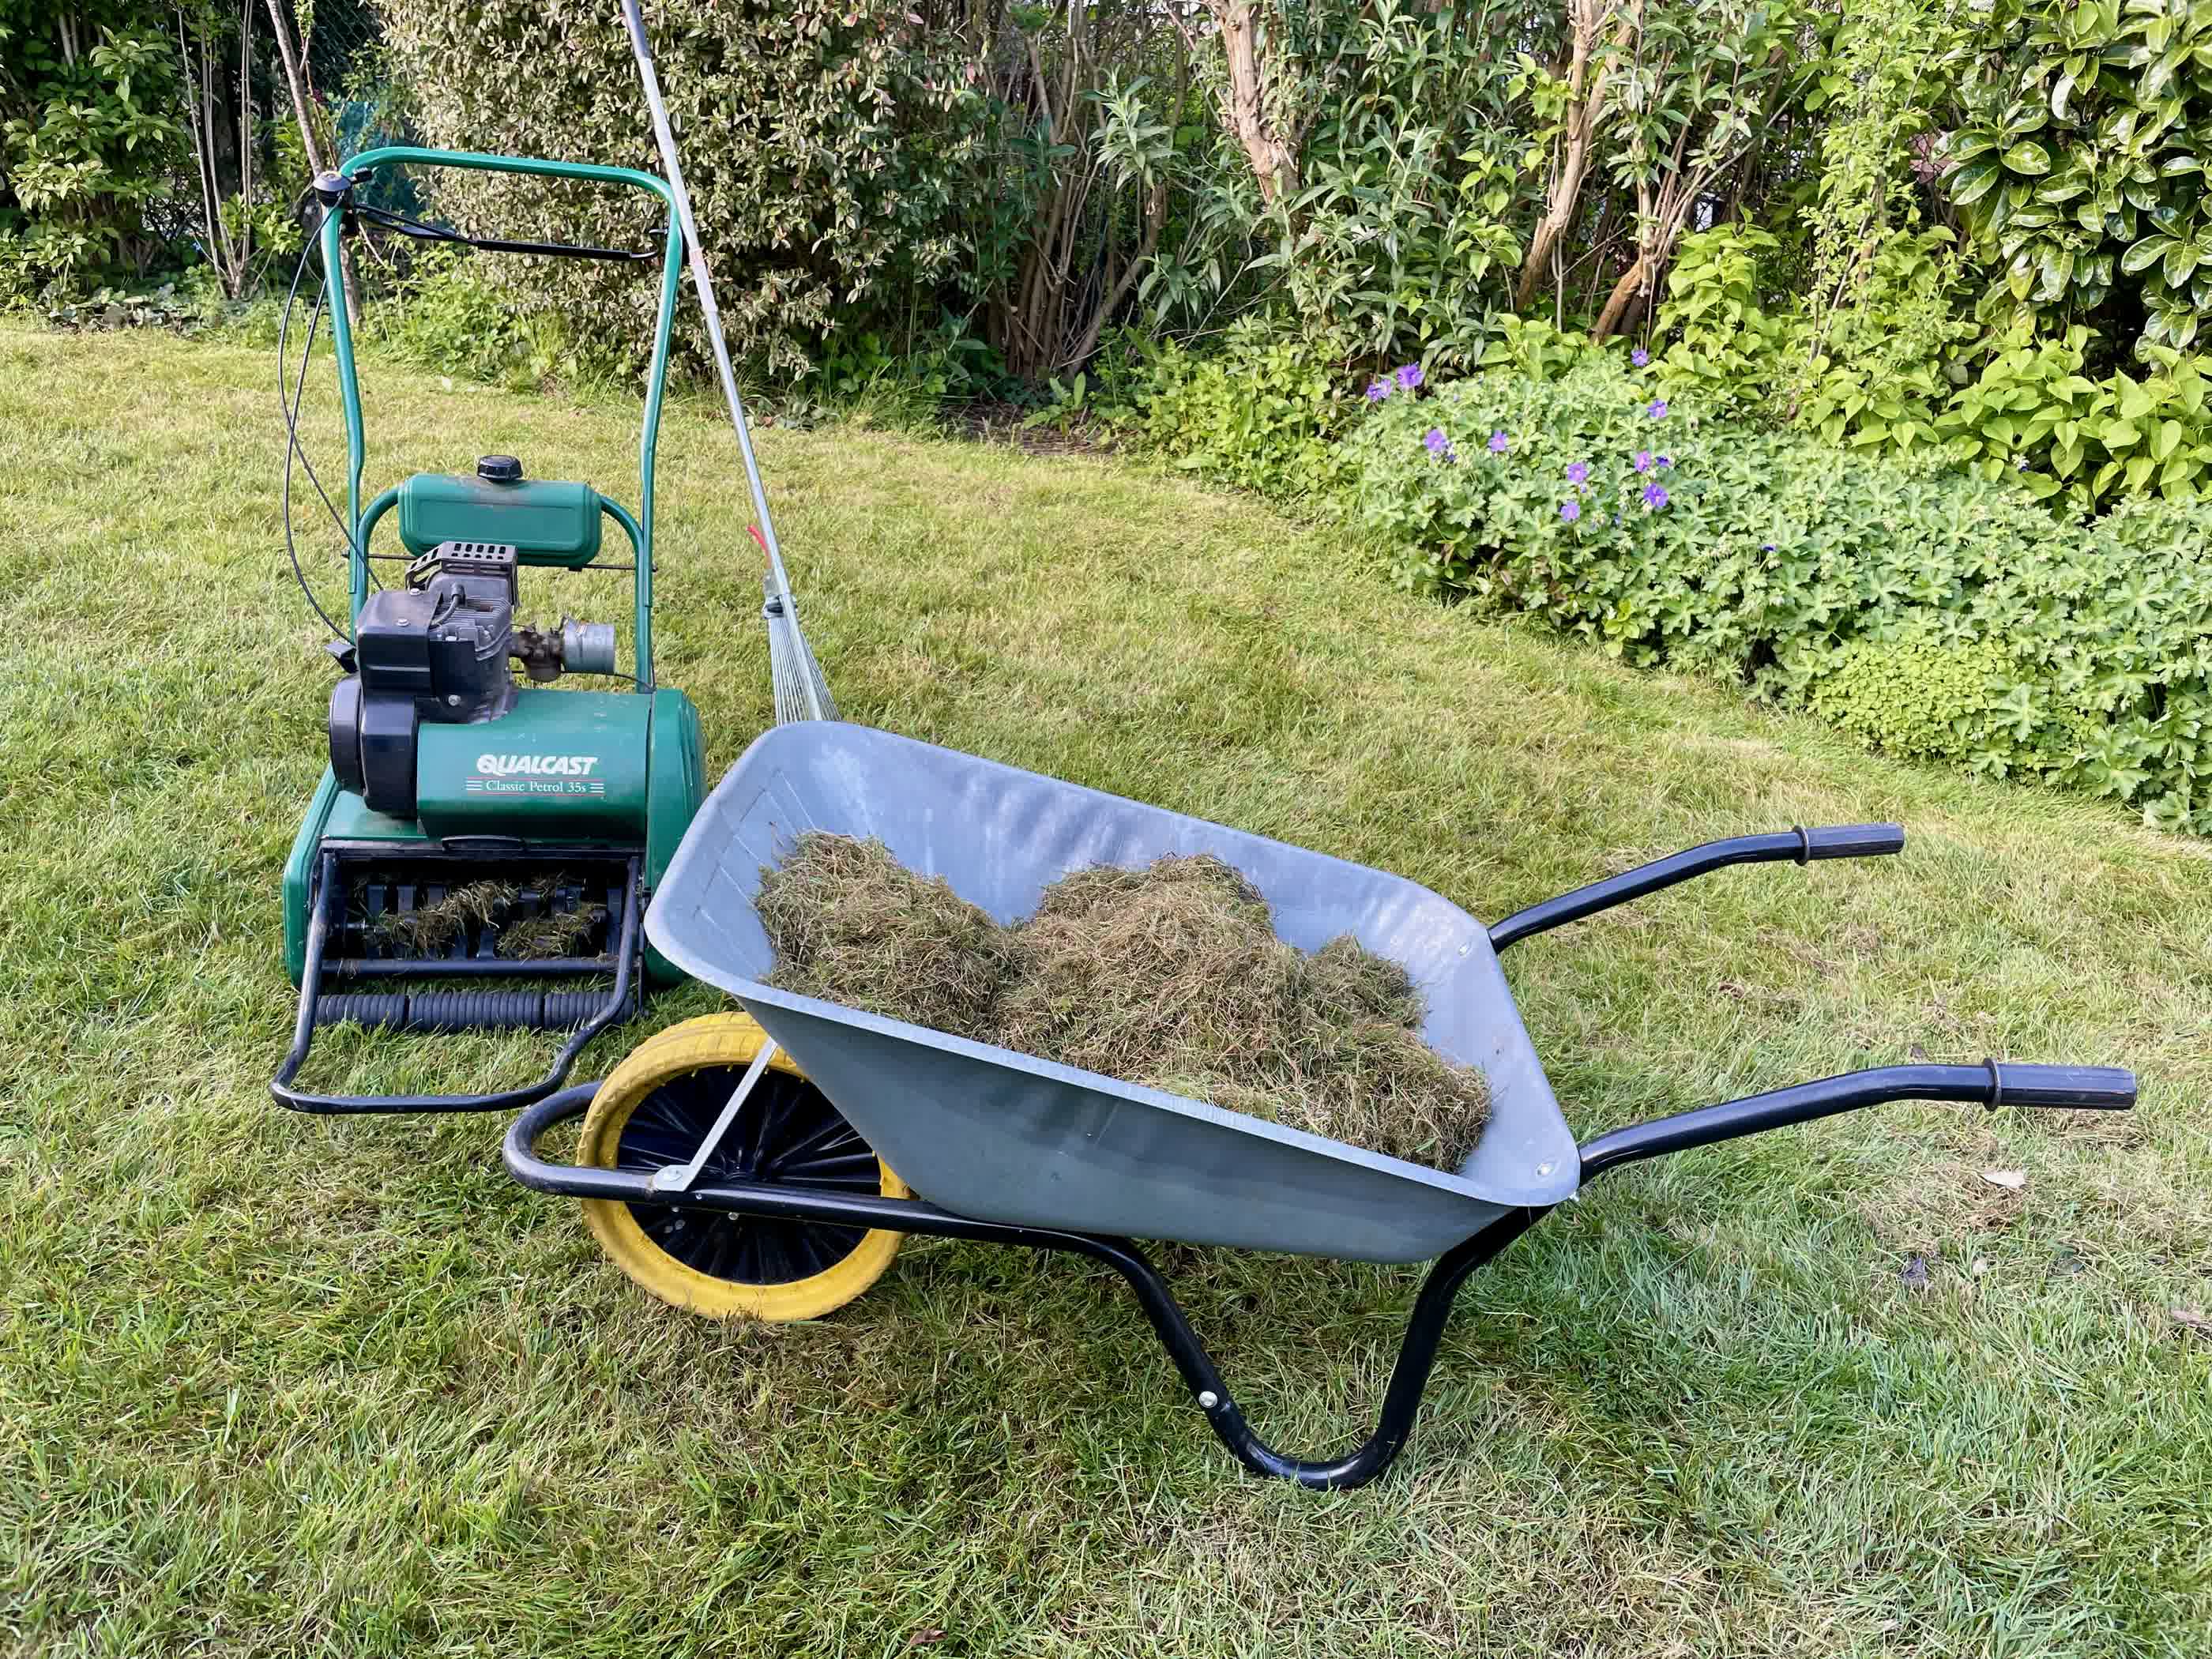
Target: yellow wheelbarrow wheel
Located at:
point(655, 1110)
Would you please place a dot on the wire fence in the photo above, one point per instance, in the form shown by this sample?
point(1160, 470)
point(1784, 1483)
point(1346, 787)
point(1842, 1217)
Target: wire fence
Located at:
point(355, 98)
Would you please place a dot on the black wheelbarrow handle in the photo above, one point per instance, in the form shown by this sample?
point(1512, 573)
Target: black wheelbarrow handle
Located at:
point(1992, 1082)
point(1798, 846)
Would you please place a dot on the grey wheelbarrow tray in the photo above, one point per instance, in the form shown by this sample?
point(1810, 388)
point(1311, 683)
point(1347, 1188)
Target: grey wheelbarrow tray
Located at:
point(1003, 1146)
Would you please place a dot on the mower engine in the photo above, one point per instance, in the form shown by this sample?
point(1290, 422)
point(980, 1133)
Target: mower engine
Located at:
point(437, 651)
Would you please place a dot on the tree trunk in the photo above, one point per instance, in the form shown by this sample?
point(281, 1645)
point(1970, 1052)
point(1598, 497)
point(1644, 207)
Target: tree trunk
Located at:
point(1275, 159)
point(1616, 303)
point(296, 81)
point(1156, 217)
point(1585, 113)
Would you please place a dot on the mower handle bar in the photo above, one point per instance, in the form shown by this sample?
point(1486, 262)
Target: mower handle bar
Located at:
point(1798, 845)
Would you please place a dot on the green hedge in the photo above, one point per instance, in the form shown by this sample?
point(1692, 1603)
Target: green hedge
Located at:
point(1928, 613)
point(834, 151)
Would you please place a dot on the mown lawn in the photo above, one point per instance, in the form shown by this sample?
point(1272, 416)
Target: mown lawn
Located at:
point(274, 1385)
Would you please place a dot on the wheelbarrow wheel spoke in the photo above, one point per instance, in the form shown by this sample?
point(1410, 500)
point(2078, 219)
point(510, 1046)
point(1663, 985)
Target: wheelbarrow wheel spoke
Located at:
point(845, 1165)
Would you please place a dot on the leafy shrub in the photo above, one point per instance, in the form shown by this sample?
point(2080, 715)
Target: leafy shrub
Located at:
point(1915, 698)
point(1871, 380)
point(1868, 370)
point(444, 315)
point(88, 142)
point(830, 148)
point(2080, 654)
point(2081, 441)
point(1264, 412)
point(1728, 347)
point(2080, 165)
point(1538, 349)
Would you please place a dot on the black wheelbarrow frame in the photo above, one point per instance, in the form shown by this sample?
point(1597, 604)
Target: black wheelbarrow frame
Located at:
point(1992, 1084)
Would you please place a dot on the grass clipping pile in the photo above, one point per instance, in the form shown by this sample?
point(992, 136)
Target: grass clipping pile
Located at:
point(1170, 976)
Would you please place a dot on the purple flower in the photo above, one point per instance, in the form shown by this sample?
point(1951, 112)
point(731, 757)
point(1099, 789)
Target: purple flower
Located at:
point(1578, 474)
point(1377, 391)
point(1499, 443)
point(1643, 460)
point(1571, 510)
point(1408, 377)
point(1437, 443)
point(1639, 356)
point(1767, 548)
point(1657, 411)
point(1654, 496)
point(1666, 460)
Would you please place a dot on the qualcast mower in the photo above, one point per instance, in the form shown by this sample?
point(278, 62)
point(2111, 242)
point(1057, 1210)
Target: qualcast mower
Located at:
point(480, 853)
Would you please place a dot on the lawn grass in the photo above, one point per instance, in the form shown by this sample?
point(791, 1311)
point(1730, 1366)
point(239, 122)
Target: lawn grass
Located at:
point(273, 1385)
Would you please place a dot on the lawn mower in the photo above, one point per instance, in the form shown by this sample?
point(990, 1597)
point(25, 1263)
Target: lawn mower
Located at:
point(463, 815)
point(500, 840)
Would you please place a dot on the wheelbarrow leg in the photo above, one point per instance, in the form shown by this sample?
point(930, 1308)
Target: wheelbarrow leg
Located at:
point(1402, 1402)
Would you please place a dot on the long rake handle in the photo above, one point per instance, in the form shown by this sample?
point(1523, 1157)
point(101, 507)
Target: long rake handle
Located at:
point(663, 137)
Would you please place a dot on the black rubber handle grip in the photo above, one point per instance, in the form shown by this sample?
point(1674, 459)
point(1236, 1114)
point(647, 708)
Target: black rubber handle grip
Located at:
point(1855, 840)
point(2107, 1088)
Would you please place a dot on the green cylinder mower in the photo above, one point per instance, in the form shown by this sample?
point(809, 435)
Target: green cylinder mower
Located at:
point(480, 852)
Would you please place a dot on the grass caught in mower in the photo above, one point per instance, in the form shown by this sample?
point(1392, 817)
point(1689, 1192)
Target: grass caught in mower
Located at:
point(428, 929)
point(432, 928)
point(1170, 976)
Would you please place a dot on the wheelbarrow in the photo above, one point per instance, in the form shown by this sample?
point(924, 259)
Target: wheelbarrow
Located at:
point(746, 1162)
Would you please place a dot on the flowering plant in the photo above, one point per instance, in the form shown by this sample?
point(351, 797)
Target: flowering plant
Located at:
point(1818, 576)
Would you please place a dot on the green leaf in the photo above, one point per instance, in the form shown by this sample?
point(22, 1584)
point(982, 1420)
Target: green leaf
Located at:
point(2027, 157)
point(2057, 269)
point(2167, 440)
point(1974, 180)
point(2161, 72)
point(2144, 254)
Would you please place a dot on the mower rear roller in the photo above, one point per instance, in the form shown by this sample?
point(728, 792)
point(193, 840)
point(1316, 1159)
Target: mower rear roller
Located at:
point(652, 1117)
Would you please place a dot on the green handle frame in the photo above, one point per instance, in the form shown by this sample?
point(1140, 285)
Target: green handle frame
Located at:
point(672, 268)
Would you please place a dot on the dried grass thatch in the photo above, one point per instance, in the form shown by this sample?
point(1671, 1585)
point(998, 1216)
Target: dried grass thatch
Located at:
point(851, 925)
point(556, 933)
point(432, 929)
point(429, 929)
point(1170, 976)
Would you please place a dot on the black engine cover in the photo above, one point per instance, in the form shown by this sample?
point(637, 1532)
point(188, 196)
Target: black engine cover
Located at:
point(435, 650)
